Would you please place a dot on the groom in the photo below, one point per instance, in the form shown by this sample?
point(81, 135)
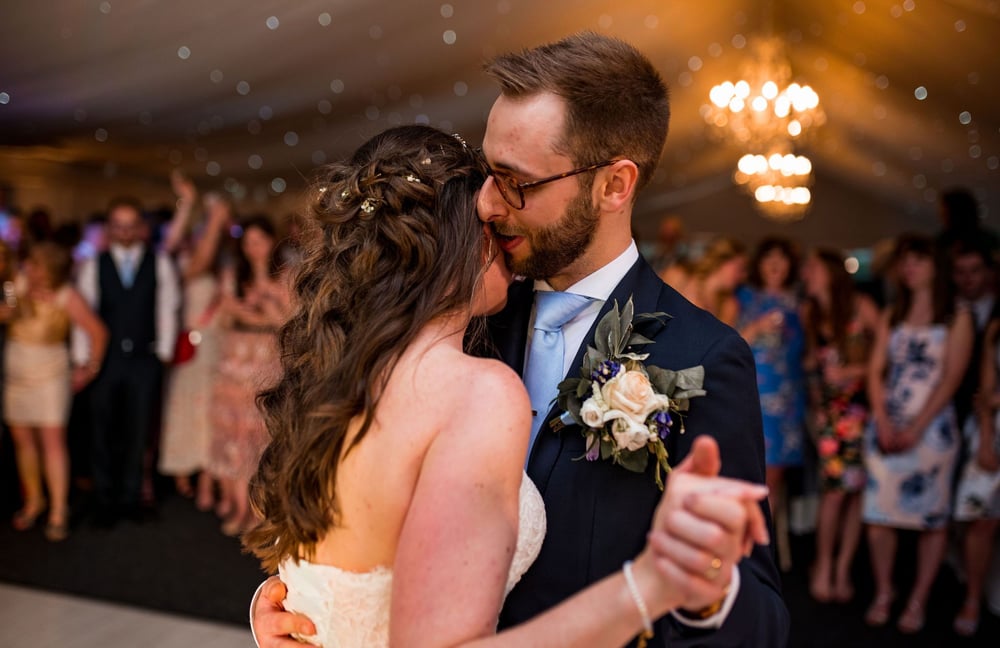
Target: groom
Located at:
point(577, 130)
point(585, 101)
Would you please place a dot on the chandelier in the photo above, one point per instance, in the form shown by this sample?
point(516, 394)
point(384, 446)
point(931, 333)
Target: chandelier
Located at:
point(764, 113)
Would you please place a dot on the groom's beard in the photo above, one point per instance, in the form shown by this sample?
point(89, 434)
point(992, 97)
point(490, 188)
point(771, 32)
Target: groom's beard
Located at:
point(555, 247)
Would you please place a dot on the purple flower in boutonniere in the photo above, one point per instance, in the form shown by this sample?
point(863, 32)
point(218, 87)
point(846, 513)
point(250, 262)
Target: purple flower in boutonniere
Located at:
point(627, 409)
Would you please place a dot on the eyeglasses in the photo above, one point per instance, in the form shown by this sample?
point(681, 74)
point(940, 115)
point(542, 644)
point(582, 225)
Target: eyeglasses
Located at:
point(512, 191)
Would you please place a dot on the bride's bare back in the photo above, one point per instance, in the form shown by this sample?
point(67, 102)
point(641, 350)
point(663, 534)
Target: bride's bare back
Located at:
point(438, 399)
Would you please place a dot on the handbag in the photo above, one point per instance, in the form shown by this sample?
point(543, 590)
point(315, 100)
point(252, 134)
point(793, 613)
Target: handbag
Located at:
point(186, 346)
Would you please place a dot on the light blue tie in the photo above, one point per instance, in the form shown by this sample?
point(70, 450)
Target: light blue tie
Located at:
point(126, 269)
point(544, 370)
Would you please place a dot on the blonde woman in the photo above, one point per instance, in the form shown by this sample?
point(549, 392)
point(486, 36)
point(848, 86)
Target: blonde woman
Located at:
point(39, 379)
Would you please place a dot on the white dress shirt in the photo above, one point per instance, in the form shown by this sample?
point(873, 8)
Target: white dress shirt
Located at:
point(168, 299)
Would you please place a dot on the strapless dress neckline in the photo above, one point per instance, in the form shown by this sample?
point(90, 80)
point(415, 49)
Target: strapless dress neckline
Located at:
point(351, 609)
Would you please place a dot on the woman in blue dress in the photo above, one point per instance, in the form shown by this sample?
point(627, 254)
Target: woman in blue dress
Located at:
point(769, 321)
point(922, 347)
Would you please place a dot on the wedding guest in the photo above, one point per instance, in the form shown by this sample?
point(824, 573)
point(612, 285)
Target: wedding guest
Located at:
point(710, 281)
point(134, 291)
point(972, 272)
point(668, 248)
point(978, 499)
point(255, 302)
point(840, 324)
point(187, 428)
point(958, 211)
point(38, 380)
point(769, 322)
point(922, 348)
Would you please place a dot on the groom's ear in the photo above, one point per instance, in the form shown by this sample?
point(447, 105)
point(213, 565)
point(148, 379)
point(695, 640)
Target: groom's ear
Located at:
point(615, 187)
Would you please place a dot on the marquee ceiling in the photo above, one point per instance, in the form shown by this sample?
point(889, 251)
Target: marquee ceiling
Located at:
point(251, 95)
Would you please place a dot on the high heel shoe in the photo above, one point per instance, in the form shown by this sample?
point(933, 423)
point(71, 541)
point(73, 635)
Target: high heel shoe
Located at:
point(25, 518)
point(878, 612)
point(966, 625)
point(56, 531)
point(912, 619)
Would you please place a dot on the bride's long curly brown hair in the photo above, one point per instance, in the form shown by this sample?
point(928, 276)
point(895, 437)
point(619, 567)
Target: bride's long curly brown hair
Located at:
point(392, 242)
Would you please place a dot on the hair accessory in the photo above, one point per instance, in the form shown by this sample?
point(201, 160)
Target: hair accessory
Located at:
point(345, 194)
point(412, 178)
point(369, 205)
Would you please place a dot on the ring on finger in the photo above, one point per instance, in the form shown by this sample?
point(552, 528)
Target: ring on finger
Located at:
point(713, 569)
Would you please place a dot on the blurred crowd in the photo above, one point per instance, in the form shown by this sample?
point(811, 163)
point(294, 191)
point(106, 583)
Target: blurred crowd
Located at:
point(148, 339)
point(147, 336)
point(879, 397)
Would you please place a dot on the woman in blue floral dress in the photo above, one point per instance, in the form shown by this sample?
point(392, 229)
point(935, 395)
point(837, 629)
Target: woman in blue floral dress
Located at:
point(921, 352)
point(769, 321)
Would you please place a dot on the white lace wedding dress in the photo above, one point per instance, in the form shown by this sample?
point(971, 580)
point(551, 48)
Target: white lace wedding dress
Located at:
point(351, 610)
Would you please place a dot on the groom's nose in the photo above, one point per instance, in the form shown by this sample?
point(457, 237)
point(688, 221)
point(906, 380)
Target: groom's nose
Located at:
point(490, 204)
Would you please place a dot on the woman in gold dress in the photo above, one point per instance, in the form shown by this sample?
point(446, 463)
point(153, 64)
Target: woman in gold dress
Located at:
point(38, 380)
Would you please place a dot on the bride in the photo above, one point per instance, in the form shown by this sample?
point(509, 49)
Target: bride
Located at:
point(394, 500)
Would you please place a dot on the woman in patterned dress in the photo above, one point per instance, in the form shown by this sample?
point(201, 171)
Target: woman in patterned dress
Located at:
point(982, 463)
point(840, 324)
point(921, 351)
point(255, 303)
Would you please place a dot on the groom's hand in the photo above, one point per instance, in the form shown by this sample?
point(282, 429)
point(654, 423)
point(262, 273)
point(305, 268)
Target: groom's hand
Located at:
point(271, 624)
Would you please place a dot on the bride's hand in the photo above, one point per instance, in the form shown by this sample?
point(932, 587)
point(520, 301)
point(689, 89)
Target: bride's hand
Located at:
point(272, 626)
point(704, 460)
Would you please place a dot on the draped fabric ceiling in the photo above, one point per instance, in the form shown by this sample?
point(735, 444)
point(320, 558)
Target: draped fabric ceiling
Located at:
point(253, 94)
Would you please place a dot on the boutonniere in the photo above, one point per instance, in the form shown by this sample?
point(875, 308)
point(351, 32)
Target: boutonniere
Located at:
point(626, 408)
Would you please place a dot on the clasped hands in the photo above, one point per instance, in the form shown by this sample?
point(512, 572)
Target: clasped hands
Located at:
point(703, 526)
point(892, 439)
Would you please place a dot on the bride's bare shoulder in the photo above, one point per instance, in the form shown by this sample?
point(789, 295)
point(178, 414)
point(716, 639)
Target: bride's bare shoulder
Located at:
point(480, 392)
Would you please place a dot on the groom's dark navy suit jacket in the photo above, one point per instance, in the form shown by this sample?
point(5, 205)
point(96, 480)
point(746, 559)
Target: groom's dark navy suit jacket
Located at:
point(599, 513)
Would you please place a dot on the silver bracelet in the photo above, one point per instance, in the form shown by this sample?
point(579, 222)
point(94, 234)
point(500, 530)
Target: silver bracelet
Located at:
point(633, 589)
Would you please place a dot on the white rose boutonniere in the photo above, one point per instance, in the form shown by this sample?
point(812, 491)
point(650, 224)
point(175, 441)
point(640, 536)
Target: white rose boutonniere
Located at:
point(625, 408)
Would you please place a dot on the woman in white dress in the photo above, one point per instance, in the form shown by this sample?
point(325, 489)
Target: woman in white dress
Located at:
point(922, 348)
point(393, 484)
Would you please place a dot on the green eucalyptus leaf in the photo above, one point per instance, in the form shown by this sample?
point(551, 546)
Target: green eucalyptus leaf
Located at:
point(591, 361)
point(659, 316)
point(602, 338)
point(663, 380)
point(691, 378)
point(634, 460)
point(638, 339)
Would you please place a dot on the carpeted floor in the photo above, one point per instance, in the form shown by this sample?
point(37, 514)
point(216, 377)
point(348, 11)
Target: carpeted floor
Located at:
point(179, 562)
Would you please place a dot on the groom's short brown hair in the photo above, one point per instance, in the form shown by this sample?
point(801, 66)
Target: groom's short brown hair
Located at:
point(617, 104)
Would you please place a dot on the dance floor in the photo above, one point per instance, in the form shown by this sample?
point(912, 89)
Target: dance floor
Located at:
point(31, 617)
point(176, 581)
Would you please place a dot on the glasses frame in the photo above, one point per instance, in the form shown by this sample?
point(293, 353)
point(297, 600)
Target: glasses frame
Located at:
point(501, 177)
